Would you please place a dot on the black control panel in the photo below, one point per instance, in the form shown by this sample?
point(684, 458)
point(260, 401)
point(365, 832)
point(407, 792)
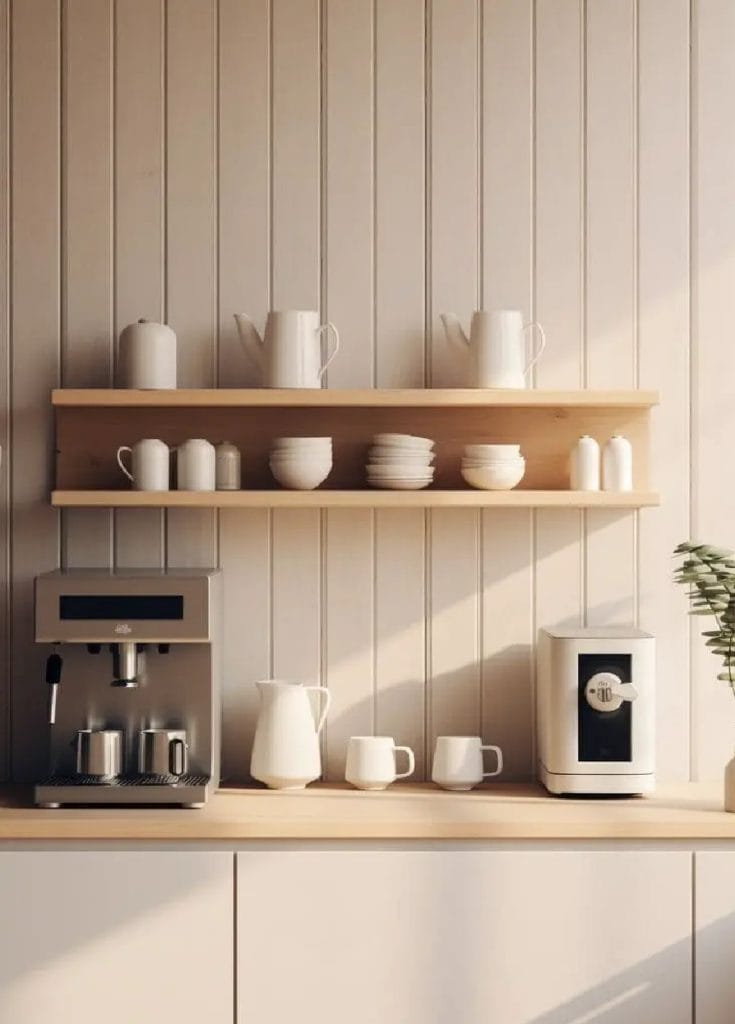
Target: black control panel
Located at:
point(603, 735)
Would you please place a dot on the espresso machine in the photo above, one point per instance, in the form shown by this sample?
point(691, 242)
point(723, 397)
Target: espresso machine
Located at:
point(133, 680)
point(595, 711)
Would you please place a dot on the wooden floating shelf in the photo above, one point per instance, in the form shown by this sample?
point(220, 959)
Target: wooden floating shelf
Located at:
point(355, 398)
point(354, 499)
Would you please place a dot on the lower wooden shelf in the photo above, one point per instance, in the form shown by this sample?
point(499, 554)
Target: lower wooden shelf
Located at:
point(353, 499)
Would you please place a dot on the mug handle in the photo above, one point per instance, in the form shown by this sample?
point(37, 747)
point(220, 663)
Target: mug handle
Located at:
point(411, 762)
point(121, 464)
point(327, 696)
point(176, 750)
point(542, 346)
point(328, 326)
point(499, 755)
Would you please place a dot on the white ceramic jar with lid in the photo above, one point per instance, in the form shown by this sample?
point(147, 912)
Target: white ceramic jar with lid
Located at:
point(146, 356)
point(195, 465)
point(585, 465)
point(228, 467)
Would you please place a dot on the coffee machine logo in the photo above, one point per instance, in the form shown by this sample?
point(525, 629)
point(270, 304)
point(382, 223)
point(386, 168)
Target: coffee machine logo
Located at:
point(122, 629)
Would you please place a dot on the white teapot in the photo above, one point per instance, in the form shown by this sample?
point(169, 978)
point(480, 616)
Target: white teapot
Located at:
point(286, 751)
point(497, 346)
point(289, 355)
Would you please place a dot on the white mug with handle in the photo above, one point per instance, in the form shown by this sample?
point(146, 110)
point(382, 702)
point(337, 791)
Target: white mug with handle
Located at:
point(371, 762)
point(458, 762)
point(149, 464)
point(289, 355)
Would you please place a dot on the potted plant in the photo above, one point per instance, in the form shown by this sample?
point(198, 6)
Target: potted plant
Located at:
point(708, 572)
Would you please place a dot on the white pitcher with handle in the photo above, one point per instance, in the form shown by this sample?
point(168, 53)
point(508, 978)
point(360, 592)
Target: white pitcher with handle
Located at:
point(286, 751)
point(497, 346)
point(289, 355)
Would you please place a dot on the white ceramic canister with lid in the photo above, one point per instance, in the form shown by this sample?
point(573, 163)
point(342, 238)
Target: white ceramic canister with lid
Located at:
point(228, 467)
point(146, 356)
point(195, 465)
point(585, 465)
point(617, 464)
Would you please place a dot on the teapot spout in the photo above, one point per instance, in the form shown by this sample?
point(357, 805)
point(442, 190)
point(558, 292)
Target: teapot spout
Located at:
point(453, 329)
point(251, 340)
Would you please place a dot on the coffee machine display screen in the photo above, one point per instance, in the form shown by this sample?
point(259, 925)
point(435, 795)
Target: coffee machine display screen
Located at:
point(121, 607)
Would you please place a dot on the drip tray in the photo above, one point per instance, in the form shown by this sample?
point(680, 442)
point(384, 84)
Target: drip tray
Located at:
point(123, 789)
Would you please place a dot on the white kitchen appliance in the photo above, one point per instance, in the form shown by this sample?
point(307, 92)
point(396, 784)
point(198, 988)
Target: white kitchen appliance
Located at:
point(595, 711)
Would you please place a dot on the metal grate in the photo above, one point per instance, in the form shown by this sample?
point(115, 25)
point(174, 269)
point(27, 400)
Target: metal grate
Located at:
point(126, 780)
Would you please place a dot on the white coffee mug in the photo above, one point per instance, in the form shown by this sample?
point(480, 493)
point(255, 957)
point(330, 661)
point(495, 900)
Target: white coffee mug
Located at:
point(196, 464)
point(371, 762)
point(149, 464)
point(458, 762)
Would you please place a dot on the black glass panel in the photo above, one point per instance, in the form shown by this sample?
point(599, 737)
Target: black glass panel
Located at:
point(121, 607)
point(604, 735)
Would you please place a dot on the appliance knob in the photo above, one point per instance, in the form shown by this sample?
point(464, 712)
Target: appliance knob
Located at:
point(605, 691)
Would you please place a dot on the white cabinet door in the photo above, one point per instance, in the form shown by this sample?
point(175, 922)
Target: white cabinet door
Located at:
point(116, 937)
point(714, 916)
point(467, 937)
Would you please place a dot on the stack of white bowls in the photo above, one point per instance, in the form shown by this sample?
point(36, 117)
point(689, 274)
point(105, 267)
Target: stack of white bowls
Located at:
point(493, 467)
point(301, 463)
point(400, 462)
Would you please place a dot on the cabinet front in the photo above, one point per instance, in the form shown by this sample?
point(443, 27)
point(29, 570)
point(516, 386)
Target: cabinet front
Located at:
point(118, 937)
point(471, 937)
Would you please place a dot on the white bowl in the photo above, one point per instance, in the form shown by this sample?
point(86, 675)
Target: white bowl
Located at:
point(399, 455)
point(301, 477)
point(492, 452)
point(491, 463)
point(400, 484)
point(305, 455)
point(494, 478)
point(301, 442)
point(400, 470)
point(403, 441)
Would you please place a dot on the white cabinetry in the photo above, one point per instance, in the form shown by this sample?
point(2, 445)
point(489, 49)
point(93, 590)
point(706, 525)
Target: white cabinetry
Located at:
point(464, 935)
point(118, 937)
point(714, 915)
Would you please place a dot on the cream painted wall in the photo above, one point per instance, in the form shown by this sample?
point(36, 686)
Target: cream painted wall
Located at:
point(384, 160)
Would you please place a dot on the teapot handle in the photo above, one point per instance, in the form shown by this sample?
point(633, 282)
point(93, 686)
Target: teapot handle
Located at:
point(329, 326)
point(542, 346)
point(322, 691)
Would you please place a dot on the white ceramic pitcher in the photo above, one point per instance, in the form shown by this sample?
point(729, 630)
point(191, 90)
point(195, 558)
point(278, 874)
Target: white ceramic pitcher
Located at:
point(497, 346)
point(289, 355)
point(286, 746)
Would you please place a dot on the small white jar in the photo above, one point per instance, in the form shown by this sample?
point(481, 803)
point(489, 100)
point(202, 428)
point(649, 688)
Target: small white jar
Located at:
point(617, 464)
point(585, 465)
point(228, 467)
point(195, 465)
point(146, 356)
point(730, 785)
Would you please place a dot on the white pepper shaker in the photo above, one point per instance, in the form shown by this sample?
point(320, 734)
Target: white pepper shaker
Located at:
point(228, 467)
point(617, 464)
point(585, 465)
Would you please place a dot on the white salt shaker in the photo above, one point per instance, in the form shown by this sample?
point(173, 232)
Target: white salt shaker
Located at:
point(195, 465)
point(617, 464)
point(227, 472)
point(585, 465)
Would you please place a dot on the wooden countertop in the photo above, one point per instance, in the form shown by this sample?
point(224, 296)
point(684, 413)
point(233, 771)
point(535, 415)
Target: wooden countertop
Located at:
point(506, 812)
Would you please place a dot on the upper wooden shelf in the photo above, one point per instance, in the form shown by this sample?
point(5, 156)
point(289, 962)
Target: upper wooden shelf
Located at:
point(361, 397)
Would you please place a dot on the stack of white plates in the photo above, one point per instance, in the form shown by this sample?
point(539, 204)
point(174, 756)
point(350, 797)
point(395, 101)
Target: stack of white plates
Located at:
point(301, 463)
point(400, 462)
point(493, 467)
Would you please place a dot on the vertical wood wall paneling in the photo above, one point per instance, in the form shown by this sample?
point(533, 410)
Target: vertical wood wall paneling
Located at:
point(400, 296)
point(610, 250)
point(348, 287)
point(454, 626)
point(713, 267)
point(663, 287)
point(86, 210)
point(4, 384)
point(244, 276)
point(35, 328)
point(507, 283)
point(191, 233)
point(559, 294)
point(139, 220)
point(295, 241)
